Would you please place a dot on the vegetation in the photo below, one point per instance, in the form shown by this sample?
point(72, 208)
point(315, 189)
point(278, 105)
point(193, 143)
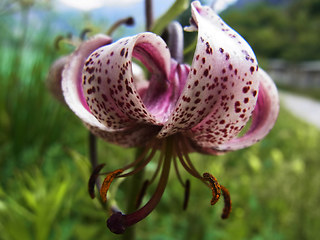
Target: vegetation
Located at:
point(287, 31)
point(44, 167)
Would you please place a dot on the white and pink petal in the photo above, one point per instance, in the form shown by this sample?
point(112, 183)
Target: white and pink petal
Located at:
point(71, 79)
point(263, 118)
point(222, 76)
point(110, 88)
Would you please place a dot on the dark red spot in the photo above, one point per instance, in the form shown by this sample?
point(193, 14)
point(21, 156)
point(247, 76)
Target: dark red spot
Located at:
point(91, 78)
point(122, 52)
point(245, 89)
point(209, 48)
point(186, 99)
point(246, 100)
point(206, 72)
point(254, 93)
point(90, 70)
point(252, 69)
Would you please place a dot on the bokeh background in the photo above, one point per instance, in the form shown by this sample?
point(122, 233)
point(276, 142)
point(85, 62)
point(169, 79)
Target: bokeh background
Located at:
point(44, 164)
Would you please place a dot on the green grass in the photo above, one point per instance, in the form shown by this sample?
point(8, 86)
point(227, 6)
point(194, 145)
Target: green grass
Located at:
point(274, 185)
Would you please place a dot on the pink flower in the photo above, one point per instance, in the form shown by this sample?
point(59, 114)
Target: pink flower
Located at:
point(180, 108)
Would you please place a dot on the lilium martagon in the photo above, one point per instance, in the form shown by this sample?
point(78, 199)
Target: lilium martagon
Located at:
point(178, 110)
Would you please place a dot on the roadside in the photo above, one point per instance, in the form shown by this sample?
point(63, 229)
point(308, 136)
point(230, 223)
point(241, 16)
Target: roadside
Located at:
point(302, 107)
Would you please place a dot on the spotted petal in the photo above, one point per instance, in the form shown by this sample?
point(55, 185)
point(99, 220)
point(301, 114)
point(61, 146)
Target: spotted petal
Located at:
point(222, 75)
point(71, 80)
point(263, 118)
point(111, 91)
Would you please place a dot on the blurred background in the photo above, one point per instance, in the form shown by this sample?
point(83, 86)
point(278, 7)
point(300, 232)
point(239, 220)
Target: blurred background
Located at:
point(44, 164)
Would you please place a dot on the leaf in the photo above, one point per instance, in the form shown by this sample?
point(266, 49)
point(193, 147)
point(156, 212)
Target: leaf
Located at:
point(175, 10)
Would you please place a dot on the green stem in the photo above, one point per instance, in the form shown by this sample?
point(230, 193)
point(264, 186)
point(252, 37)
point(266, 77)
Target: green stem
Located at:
point(136, 180)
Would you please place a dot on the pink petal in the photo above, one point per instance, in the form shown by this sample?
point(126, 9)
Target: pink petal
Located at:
point(112, 93)
point(264, 116)
point(223, 73)
point(71, 79)
point(55, 76)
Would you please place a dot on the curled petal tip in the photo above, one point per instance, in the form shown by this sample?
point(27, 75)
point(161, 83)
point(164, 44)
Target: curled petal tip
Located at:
point(71, 79)
point(54, 78)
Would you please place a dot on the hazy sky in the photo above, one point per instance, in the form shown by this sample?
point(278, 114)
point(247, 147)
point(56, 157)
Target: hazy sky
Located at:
point(87, 5)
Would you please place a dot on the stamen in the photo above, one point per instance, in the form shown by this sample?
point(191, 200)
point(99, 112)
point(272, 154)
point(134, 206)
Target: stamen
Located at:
point(141, 166)
point(186, 156)
point(161, 157)
point(193, 172)
point(118, 222)
point(227, 203)
point(142, 193)
point(177, 171)
point(93, 179)
point(215, 187)
point(186, 195)
point(107, 182)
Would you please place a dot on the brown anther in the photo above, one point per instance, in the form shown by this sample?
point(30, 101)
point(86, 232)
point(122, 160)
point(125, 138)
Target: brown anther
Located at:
point(227, 203)
point(186, 195)
point(107, 182)
point(93, 179)
point(215, 187)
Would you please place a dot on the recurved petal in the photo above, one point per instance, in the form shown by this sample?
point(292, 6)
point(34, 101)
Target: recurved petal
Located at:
point(263, 118)
point(222, 75)
point(113, 95)
point(55, 76)
point(71, 79)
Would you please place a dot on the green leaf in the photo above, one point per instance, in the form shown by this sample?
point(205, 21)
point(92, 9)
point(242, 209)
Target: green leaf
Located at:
point(175, 10)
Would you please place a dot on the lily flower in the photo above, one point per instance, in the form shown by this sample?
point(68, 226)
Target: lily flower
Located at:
point(179, 109)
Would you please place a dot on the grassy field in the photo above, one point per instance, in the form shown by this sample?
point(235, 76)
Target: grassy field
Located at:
point(44, 169)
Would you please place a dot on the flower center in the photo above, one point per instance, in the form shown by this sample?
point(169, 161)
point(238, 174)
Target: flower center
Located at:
point(173, 149)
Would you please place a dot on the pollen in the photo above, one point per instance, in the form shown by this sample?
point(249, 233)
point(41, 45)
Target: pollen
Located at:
point(107, 182)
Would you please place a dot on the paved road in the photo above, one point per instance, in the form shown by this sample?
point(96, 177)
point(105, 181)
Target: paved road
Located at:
point(302, 107)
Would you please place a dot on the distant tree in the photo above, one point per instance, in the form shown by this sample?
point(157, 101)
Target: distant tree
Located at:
point(289, 31)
